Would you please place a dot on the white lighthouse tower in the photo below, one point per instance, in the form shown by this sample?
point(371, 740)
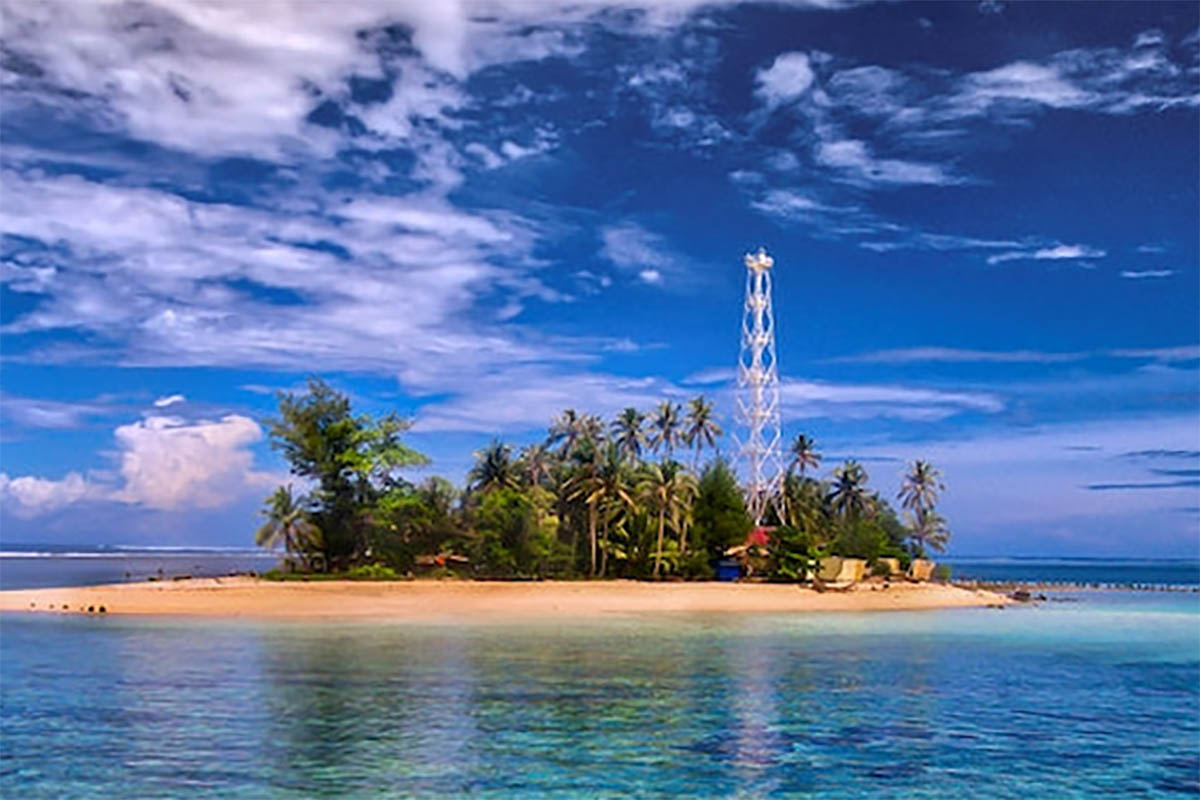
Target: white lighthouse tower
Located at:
point(758, 394)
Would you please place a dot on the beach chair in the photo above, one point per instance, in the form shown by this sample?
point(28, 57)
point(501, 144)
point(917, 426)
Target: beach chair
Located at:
point(892, 564)
point(839, 574)
point(920, 570)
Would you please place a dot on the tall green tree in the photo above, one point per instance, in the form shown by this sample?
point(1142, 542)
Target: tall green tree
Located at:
point(803, 454)
point(928, 530)
point(628, 434)
point(666, 428)
point(921, 485)
point(287, 523)
point(611, 493)
point(808, 507)
point(700, 427)
point(566, 430)
point(494, 469)
point(720, 519)
point(849, 496)
point(581, 486)
point(668, 489)
point(509, 542)
point(350, 458)
point(536, 462)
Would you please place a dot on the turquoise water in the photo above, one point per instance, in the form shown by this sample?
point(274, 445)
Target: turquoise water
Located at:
point(1095, 697)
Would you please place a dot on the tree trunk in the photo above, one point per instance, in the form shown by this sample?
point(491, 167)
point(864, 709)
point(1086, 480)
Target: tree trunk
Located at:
point(592, 534)
point(658, 556)
point(604, 550)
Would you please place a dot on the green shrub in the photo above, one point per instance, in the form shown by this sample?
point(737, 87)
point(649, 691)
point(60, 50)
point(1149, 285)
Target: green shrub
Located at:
point(941, 572)
point(791, 549)
point(695, 565)
point(881, 570)
point(371, 572)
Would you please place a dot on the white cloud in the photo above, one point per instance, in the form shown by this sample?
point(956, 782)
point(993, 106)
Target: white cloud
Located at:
point(812, 399)
point(789, 76)
point(29, 496)
point(918, 355)
point(1040, 475)
point(169, 463)
point(169, 400)
point(517, 400)
point(164, 463)
point(1054, 253)
point(42, 413)
point(633, 248)
point(853, 159)
point(1147, 273)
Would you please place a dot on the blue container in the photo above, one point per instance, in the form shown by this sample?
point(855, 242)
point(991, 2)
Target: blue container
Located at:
point(729, 569)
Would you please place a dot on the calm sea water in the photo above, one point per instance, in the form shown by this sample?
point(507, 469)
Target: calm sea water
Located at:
point(1123, 571)
point(1095, 697)
point(30, 566)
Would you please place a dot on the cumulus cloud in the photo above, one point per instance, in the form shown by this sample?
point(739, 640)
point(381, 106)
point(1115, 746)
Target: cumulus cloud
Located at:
point(168, 463)
point(164, 463)
point(789, 76)
point(29, 496)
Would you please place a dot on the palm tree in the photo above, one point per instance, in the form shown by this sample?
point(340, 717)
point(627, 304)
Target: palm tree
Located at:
point(610, 491)
point(582, 485)
point(849, 496)
point(701, 428)
point(287, 523)
point(536, 461)
point(566, 430)
point(494, 468)
point(921, 486)
point(669, 488)
point(666, 427)
point(806, 504)
point(928, 528)
point(591, 426)
point(804, 454)
point(628, 434)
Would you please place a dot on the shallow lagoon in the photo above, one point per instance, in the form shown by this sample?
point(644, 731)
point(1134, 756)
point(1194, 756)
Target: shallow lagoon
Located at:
point(1069, 699)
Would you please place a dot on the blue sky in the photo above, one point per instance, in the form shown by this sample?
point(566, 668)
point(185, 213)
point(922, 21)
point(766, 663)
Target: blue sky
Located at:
point(984, 220)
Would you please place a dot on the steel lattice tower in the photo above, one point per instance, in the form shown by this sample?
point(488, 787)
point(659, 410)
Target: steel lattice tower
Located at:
point(758, 393)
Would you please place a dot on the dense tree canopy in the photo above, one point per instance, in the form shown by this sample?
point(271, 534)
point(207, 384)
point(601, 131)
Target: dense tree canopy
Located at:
point(592, 499)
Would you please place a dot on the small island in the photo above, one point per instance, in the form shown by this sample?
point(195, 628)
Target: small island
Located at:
point(597, 520)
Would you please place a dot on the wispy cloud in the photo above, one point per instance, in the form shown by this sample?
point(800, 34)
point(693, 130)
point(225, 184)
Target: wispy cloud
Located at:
point(1055, 253)
point(34, 412)
point(917, 355)
point(169, 400)
point(814, 399)
point(1147, 273)
point(1183, 484)
point(640, 252)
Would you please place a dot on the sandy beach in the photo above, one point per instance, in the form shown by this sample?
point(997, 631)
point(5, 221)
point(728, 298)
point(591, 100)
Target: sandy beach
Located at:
point(471, 601)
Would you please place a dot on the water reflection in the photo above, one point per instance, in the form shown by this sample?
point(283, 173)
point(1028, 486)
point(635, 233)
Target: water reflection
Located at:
point(674, 707)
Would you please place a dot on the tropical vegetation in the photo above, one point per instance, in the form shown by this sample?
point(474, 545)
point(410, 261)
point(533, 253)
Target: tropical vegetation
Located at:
point(595, 498)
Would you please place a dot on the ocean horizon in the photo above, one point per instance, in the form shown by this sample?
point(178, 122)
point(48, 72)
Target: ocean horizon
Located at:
point(30, 565)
